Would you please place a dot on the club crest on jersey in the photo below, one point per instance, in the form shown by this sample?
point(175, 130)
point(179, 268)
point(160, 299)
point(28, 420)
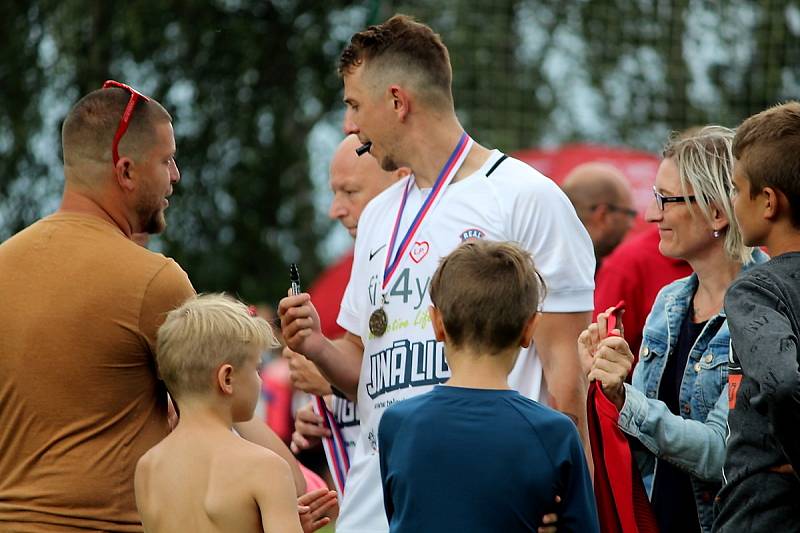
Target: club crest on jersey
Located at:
point(472, 234)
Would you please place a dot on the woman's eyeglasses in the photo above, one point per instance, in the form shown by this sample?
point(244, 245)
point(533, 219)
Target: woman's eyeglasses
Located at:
point(661, 199)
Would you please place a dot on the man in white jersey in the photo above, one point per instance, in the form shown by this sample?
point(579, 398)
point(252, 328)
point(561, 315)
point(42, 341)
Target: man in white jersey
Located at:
point(397, 88)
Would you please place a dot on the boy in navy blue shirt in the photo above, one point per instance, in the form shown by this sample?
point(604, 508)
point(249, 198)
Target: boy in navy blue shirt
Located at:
point(473, 455)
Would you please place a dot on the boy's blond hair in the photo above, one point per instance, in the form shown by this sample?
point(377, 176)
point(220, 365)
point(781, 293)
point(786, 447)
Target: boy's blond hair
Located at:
point(205, 332)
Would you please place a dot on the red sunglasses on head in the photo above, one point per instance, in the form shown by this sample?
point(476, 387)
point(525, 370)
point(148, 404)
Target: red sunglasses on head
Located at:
point(126, 115)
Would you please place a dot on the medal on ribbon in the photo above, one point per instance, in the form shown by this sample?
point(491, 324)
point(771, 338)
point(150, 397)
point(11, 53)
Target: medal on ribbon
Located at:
point(378, 320)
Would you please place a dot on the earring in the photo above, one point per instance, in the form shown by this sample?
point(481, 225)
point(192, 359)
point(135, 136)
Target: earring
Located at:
point(716, 233)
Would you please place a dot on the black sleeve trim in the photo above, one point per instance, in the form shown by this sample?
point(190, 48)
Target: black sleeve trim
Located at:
point(497, 164)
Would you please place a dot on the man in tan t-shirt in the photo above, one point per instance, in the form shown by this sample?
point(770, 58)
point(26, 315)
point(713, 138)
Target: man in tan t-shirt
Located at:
point(82, 302)
point(80, 401)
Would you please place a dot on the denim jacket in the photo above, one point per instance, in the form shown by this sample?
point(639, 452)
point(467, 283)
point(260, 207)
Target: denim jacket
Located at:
point(695, 441)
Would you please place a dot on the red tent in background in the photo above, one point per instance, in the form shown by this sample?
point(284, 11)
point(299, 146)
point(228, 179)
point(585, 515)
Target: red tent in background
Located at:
point(327, 293)
point(639, 167)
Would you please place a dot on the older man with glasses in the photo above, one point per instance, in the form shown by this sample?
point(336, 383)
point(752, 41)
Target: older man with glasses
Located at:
point(603, 201)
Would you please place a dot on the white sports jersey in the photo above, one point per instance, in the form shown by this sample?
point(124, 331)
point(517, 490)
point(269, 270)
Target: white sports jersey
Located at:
point(513, 203)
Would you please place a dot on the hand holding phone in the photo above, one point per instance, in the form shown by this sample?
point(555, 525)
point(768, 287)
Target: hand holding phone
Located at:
point(614, 320)
point(612, 358)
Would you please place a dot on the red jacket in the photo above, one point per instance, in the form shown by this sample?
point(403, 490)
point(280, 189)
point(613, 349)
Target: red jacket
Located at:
point(622, 504)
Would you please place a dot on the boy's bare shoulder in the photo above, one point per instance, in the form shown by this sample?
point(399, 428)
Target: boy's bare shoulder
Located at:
point(162, 460)
point(146, 461)
point(265, 478)
point(157, 453)
point(256, 459)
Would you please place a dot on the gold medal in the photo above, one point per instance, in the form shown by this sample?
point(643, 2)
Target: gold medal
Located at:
point(378, 322)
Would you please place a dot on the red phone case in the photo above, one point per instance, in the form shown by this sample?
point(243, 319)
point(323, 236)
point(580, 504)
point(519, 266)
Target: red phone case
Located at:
point(613, 318)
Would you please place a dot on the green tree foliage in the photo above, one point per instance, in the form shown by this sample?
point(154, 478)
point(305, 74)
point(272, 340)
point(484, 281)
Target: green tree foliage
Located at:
point(245, 81)
point(533, 72)
point(21, 77)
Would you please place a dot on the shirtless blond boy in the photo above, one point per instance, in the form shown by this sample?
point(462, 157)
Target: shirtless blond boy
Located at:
point(203, 477)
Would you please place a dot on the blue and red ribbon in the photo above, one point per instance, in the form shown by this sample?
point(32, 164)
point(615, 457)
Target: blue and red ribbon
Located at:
point(450, 168)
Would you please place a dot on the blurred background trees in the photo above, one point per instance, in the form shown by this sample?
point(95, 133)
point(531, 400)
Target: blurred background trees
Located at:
point(256, 100)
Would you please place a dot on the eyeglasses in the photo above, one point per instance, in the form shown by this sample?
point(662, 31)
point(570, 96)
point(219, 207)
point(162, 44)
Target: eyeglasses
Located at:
point(614, 208)
point(627, 211)
point(661, 199)
point(125, 121)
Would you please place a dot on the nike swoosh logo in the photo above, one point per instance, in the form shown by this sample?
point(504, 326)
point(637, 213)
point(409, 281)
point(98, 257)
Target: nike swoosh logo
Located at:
point(372, 254)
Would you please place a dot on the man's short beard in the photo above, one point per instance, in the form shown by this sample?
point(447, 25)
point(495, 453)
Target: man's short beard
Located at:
point(388, 164)
point(606, 245)
point(152, 220)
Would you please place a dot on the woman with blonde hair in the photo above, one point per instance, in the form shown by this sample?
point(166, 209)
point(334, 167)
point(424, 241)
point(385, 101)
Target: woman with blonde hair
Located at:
point(676, 407)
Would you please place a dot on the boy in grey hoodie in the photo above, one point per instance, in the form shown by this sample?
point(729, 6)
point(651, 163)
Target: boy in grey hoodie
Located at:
point(762, 488)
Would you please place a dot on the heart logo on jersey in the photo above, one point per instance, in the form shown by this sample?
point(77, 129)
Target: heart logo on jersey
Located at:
point(419, 251)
